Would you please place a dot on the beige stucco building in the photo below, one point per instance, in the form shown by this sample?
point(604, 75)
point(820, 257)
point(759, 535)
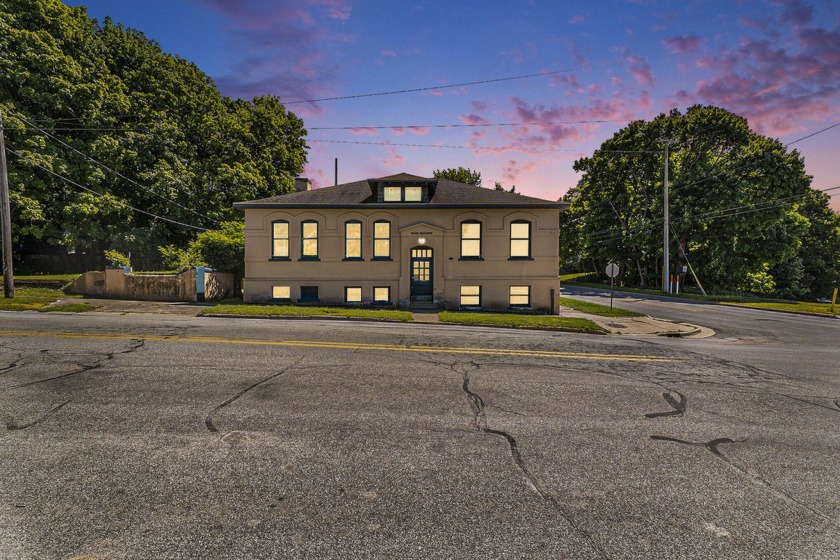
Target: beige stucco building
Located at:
point(403, 241)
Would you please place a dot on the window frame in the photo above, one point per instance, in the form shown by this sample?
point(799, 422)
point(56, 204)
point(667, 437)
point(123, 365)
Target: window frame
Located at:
point(282, 299)
point(480, 237)
point(513, 257)
point(274, 239)
point(347, 291)
point(510, 296)
point(302, 299)
point(381, 301)
point(461, 296)
point(359, 239)
point(303, 239)
point(375, 239)
point(402, 198)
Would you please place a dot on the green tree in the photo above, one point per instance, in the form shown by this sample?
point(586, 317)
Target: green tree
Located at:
point(460, 174)
point(171, 144)
point(733, 200)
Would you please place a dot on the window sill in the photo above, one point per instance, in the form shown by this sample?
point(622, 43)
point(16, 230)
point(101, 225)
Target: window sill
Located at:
point(279, 259)
point(519, 307)
point(521, 258)
point(352, 259)
point(281, 300)
point(471, 259)
point(381, 259)
point(309, 259)
point(382, 304)
point(470, 308)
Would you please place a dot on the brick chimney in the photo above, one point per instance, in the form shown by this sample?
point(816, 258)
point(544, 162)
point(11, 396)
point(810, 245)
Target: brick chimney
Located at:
point(302, 184)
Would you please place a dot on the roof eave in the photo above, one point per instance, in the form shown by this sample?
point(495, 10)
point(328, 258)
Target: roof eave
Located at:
point(392, 206)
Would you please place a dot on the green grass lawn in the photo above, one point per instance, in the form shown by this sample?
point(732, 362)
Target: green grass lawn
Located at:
point(596, 309)
point(521, 321)
point(29, 299)
point(46, 277)
point(306, 311)
point(806, 306)
point(68, 308)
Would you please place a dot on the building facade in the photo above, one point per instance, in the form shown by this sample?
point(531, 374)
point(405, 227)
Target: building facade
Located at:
point(403, 241)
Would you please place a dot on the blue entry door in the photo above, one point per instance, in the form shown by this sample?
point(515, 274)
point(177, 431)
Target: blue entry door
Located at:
point(421, 274)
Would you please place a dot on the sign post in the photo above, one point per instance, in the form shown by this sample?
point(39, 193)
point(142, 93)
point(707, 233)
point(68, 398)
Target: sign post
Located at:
point(612, 272)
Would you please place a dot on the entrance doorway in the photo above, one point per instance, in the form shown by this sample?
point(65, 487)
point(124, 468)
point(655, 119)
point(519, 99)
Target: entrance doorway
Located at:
point(421, 274)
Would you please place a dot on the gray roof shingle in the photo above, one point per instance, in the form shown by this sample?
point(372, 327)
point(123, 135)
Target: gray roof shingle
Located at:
point(443, 193)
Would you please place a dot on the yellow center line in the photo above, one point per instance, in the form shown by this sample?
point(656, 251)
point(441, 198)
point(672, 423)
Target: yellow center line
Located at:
point(341, 345)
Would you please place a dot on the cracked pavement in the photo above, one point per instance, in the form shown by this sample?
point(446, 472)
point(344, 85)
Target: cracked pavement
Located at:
point(175, 437)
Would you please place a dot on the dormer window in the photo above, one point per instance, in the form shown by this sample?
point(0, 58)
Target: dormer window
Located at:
point(402, 194)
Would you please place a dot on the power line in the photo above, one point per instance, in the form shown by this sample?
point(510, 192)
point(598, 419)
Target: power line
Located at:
point(99, 194)
point(117, 173)
point(457, 125)
point(430, 88)
point(520, 148)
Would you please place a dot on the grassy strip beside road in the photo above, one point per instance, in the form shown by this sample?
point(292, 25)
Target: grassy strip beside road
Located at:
point(521, 321)
point(29, 299)
point(596, 309)
point(801, 306)
point(68, 308)
point(727, 299)
point(306, 311)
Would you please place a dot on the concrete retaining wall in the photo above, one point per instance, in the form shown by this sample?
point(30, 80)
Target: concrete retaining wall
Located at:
point(120, 283)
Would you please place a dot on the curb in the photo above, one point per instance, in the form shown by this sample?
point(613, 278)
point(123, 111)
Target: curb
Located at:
point(788, 311)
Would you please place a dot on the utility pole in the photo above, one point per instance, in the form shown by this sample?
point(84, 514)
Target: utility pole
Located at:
point(6, 219)
point(667, 225)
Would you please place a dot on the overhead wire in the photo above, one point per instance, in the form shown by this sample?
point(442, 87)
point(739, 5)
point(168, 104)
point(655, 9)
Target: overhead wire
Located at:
point(429, 88)
point(101, 195)
point(106, 167)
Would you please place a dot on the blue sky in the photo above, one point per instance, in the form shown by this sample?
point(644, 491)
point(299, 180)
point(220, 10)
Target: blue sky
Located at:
point(775, 62)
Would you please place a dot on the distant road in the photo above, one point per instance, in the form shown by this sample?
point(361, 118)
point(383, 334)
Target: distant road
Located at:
point(779, 342)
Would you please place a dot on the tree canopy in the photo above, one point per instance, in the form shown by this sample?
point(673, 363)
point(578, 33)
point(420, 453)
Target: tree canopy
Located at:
point(742, 210)
point(460, 174)
point(114, 144)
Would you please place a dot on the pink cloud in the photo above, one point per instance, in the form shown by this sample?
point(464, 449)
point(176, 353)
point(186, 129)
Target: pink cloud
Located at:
point(436, 92)
point(420, 130)
point(398, 131)
point(283, 48)
point(393, 159)
point(479, 106)
point(514, 168)
point(473, 119)
point(779, 88)
point(683, 44)
point(638, 67)
point(361, 131)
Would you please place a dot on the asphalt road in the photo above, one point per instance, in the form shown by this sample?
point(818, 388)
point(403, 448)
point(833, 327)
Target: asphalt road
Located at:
point(785, 343)
point(137, 436)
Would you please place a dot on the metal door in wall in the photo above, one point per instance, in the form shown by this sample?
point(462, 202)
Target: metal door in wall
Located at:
point(421, 274)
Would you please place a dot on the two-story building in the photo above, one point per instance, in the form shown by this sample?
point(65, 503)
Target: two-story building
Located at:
point(403, 241)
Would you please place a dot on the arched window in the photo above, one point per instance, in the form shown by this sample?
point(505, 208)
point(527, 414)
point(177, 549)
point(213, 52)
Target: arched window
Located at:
point(353, 240)
point(381, 239)
point(520, 239)
point(309, 240)
point(470, 239)
point(280, 240)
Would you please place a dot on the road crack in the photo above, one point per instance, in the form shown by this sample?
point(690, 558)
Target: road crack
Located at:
point(208, 420)
point(480, 422)
point(713, 445)
point(12, 425)
point(97, 363)
point(678, 406)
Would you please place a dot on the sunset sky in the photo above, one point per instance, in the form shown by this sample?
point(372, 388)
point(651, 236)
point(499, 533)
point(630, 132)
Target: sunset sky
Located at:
point(593, 66)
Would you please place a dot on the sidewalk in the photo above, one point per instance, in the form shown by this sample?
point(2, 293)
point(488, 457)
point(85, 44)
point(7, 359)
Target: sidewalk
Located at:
point(613, 325)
